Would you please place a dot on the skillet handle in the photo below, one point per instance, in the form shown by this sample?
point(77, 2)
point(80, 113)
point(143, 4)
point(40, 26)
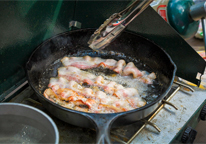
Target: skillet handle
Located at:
point(103, 124)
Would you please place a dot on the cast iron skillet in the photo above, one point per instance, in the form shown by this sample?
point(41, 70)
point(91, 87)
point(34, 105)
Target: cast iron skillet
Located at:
point(44, 62)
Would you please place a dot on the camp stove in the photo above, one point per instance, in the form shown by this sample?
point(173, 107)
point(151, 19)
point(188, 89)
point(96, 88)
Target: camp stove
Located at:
point(174, 121)
point(25, 24)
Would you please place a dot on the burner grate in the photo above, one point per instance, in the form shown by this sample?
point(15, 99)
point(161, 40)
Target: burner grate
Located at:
point(164, 101)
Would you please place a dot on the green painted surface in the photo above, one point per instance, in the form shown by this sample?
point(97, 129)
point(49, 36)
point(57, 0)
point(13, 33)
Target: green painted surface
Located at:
point(93, 13)
point(24, 25)
point(179, 17)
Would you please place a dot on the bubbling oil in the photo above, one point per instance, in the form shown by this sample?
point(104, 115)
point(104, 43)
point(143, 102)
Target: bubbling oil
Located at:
point(126, 81)
point(149, 92)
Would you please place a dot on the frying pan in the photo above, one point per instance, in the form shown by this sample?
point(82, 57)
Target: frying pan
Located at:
point(45, 60)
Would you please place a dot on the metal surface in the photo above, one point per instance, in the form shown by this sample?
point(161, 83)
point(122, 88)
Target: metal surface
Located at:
point(184, 85)
point(156, 112)
point(75, 44)
point(14, 91)
point(169, 103)
point(190, 122)
point(25, 124)
point(173, 122)
point(198, 11)
point(109, 30)
point(75, 24)
point(153, 125)
point(203, 21)
point(166, 101)
point(102, 42)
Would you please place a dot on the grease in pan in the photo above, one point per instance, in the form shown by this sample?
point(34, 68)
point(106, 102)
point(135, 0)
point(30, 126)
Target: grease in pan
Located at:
point(79, 87)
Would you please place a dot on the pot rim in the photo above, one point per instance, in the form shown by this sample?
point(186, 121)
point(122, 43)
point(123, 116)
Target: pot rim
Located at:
point(38, 111)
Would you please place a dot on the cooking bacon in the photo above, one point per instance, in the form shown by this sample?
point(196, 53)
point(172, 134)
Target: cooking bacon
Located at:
point(120, 67)
point(48, 93)
point(73, 100)
point(88, 62)
point(73, 73)
point(110, 87)
point(126, 93)
point(132, 69)
point(148, 79)
point(135, 102)
point(88, 100)
point(83, 91)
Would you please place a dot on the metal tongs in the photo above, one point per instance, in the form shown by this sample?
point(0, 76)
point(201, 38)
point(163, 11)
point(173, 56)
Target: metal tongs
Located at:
point(115, 24)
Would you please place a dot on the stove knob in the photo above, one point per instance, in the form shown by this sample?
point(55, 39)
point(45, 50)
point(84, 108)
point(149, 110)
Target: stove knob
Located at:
point(189, 135)
point(203, 113)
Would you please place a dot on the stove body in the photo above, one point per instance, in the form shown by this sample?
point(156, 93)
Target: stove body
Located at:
point(25, 24)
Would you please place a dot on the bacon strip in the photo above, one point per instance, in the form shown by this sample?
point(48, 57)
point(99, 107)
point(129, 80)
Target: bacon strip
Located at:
point(135, 102)
point(48, 93)
point(132, 69)
point(68, 88)
point(88, 62)
point(78, 96)
point(80, 62)
point(72, 101)
point(148, 79)
point(120, 67)
point(73, 73)
point(126, 93)
point(69, 85)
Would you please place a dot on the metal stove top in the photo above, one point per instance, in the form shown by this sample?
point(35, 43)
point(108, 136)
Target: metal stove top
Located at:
point(169, 121)
point(173, 122)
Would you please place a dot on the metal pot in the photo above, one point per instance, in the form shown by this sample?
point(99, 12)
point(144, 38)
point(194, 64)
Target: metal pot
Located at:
point(21, 123)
